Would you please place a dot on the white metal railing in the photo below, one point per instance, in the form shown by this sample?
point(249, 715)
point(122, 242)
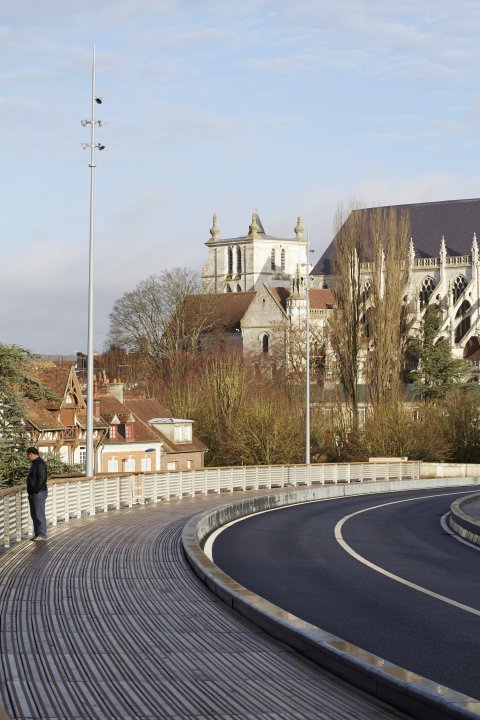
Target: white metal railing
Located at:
point(73, 497)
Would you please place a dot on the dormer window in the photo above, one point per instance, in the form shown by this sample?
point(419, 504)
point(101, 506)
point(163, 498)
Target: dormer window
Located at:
point(183, 433)
point(129, 431)
point(112, 432)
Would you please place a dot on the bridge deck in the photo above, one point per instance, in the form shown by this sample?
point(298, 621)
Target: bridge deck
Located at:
point(106, 620)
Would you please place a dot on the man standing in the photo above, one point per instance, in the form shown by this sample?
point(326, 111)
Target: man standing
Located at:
point(37, 494)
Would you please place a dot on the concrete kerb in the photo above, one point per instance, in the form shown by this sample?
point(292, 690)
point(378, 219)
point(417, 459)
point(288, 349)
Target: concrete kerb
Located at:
point(461, 522)
point(411, 693)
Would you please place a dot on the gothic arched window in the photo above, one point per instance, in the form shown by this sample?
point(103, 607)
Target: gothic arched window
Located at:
point(465, 322)
point(230, 261)
point(228, 288)
point(239, 261)
point(366, 324)
point(273, 264)
point(459, 285)
point(239, 289)
point(282, 260)
point(367, 289)
point(265, 343)
point(426, 290)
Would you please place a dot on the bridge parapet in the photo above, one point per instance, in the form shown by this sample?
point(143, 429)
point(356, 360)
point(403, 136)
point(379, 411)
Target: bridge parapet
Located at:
point(73, 497)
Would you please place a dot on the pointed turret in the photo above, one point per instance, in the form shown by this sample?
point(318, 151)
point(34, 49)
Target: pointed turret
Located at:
point(214, 230)
point(474, 249)
point(299, 229)
point(253, 228)
point(411, 253)
point(443, 250)
point(298, 284)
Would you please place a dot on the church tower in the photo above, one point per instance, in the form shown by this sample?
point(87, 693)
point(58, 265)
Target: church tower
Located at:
point(245, 263)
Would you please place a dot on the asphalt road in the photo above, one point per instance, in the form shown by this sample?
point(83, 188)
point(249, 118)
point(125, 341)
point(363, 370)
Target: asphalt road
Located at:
point(292, 558)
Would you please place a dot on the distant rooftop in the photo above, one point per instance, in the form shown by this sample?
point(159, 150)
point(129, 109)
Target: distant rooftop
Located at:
point(158, 421)
point(455, 220)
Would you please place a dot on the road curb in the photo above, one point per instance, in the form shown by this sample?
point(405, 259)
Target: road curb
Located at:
point(461, 522)
point(411, 693)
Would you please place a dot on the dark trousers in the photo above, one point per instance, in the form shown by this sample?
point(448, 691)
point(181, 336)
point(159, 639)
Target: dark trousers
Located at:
point(37, 513)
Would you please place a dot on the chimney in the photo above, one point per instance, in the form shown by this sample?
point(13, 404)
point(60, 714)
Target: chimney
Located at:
point(96, 409)
point(115, 388)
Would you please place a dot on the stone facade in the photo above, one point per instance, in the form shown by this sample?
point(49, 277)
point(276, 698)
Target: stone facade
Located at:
point(257, 288)
point(445, 271)
point(244, 264)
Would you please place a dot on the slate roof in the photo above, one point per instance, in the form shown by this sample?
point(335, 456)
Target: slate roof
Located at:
point(456, 220)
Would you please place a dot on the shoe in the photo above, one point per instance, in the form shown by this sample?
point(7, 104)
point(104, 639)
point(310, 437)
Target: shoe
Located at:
point(39, 538)
point(32, 537)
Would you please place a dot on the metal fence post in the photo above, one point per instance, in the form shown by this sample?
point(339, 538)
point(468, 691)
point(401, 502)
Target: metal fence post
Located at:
point(54, 505)
point(18, 517)
point(6, 521)
point(91, 510)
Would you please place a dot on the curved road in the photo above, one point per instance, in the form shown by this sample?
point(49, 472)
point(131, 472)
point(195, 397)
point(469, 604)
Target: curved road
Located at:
point(430, 623)
point(106, 621)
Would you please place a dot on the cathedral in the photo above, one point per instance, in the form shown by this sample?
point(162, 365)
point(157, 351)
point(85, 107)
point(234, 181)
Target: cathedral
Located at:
point(270, 274)
point(443, 268)
point(258, 285)
point(244, 264)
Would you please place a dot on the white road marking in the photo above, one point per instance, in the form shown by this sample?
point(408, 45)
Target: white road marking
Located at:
point(386, 573)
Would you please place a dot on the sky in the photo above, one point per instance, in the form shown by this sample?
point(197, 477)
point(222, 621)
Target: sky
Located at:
point(291, 107)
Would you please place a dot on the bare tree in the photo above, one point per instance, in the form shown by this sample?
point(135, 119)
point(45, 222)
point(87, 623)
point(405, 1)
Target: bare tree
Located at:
point(346, 328)
point(389, 232)
point(158, 316)
point(291, 339)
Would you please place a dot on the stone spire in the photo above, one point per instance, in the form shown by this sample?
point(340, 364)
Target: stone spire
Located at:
point(443, 250)
point(214, 230)
point(411, 252)
point(298, 284)
point(299, 229)
point(474, 249)
point(253, 229)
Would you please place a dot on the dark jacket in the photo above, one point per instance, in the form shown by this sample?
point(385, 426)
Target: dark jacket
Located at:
point(37, 477)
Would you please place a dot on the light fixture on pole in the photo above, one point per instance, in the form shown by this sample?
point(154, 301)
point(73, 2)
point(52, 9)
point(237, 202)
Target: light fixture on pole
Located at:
point(90, 469)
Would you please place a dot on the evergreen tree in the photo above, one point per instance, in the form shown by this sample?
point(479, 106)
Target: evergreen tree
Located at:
point(438, 371)
point(14, 386)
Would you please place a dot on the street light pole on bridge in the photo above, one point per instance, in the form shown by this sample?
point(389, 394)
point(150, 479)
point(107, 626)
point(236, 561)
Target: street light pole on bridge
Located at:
point(90, 469)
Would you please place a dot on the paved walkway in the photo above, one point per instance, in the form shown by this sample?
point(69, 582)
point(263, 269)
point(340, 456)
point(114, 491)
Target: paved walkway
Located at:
point(107, 620)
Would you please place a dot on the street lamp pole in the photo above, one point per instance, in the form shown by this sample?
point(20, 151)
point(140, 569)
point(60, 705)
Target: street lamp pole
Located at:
point(307, 354)
point(89, 470)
